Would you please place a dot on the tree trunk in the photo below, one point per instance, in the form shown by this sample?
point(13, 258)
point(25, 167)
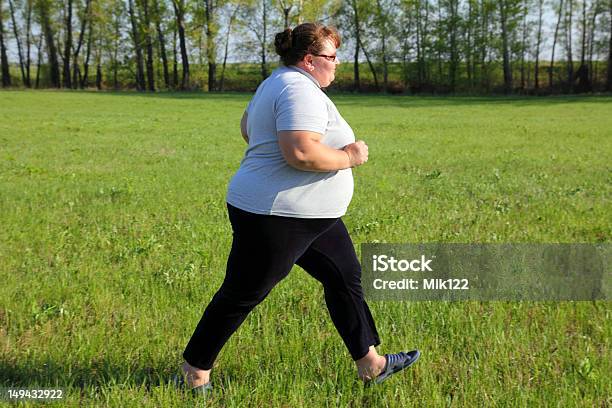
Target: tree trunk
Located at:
point(505, 46)
point(538, 43)
point(140, 83)
point(264, 66)
point(523, 44)
point(162, 43)
point(46, 27)
point(470, 46)
point(419, 46)
point(174, 60)
point(555, 36)
point(286, 8)
point(4, 64)
point(609, 79)
point(18, 41)
point(407, 29)
point(68, 45)
point(383, 34)
point(484, 33)
point(595, 11)
point(117, 27)
point(39, 53)
point(75, 60)
point(583, 70)
point(28, 28)
point(454, 54)
point(179, 12)
point(372, 69)
point(85, 78)
point(225, 53)
point(568, 37)
point(584, 33)
point(149, 46)
point(357, 84)
point(385, 66)
point(99, 67)
point(211, 39)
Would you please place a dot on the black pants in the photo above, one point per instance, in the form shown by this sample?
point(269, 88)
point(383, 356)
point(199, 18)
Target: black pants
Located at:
point(264, 249)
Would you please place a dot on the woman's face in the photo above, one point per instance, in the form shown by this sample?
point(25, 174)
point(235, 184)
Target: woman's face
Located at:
point(323, 66)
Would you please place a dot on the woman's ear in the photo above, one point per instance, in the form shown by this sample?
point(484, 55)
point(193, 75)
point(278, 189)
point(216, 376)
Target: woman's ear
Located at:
point(308, 63)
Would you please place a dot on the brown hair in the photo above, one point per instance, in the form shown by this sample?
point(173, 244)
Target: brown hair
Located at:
point(307, 38)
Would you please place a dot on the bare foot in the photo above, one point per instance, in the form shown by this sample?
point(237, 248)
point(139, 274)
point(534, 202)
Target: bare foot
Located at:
point(370, 365)
point(195, 376)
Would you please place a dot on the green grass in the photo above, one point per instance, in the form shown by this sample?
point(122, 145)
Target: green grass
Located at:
point(114, 237)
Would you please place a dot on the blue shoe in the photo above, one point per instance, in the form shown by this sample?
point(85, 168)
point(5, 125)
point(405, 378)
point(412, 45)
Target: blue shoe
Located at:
point(396, 363)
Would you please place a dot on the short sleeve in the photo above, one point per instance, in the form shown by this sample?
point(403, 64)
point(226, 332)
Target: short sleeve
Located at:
point(301, 107)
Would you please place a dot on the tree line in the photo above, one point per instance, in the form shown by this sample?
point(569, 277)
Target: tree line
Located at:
point(438, 46)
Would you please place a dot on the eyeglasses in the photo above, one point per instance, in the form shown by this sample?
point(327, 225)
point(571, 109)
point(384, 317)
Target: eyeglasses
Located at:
point(331, 58)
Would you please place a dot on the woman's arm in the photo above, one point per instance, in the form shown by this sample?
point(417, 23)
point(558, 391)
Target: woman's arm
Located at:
point(243, 127)
point(303, 150)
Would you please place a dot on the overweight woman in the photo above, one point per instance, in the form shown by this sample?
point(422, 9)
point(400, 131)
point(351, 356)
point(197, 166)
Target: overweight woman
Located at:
point(285, 205)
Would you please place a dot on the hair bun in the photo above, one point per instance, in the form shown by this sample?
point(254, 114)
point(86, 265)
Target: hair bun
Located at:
point(283, 42)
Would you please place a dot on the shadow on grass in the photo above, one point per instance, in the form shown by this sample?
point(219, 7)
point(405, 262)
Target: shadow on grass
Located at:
point(51, 374)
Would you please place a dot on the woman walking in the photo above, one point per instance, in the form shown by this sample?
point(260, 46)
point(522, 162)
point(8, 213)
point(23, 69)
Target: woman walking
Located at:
point(285, 203)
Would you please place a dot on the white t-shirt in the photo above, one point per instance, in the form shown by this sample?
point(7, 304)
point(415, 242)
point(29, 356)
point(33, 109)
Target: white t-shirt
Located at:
point(291, 99)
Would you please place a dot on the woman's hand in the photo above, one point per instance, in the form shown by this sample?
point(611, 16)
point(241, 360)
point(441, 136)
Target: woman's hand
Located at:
point(357, 153)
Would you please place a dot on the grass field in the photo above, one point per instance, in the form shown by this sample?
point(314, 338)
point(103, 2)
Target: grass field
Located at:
point(114, 237)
